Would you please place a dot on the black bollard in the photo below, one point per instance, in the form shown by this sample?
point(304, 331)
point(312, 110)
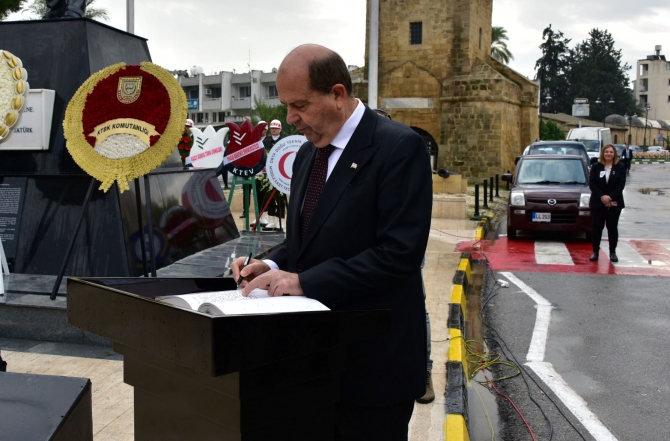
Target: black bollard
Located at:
point(476, 200)
point(491, 188)
point(508, 181)
point(497, 185)
point(485, 205)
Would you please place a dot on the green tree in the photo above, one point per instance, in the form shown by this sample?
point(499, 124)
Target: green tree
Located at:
point(9, 6)
point(38, 8)
point(499, 49)
point(551, 131)
point(598, 72)
point(266, 113)
point(553, 69)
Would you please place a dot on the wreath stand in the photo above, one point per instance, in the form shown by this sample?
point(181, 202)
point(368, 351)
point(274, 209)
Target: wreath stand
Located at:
point(138, 201)
point(87, 199)
point(245, 202)
point(4, 270)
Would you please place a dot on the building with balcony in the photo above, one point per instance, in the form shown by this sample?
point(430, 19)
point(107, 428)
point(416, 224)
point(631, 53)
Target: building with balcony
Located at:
point(652, 85)
point(228, 96)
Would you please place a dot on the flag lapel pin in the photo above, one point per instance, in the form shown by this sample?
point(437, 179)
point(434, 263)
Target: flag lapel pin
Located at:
point(354, 165)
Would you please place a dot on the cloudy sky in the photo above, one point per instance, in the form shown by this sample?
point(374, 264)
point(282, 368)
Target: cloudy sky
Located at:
point(221, 34)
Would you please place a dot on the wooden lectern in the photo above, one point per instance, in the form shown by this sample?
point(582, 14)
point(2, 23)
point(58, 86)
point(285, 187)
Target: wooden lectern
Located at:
point(198, 377)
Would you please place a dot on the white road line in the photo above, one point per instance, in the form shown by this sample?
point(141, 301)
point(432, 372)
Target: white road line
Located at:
point(546, 372)
point(628, 257)
point(538, 342)
point(572, 401)
point(552, 253)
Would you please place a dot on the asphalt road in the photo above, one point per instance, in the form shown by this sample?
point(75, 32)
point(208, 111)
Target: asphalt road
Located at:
point(647, 198)
point(604, 361)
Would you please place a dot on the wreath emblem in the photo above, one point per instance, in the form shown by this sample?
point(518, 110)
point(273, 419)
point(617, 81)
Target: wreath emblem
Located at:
point(124, 121)
point(129, 89)
point(13, 87)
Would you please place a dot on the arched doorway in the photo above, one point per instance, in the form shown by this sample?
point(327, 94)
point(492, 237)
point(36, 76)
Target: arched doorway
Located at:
point(431, 144)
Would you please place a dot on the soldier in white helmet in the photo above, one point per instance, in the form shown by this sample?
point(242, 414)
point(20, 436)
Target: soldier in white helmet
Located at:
point(278, 204)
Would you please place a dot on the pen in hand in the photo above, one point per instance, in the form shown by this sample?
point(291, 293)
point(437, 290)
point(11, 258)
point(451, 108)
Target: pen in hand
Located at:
point(246, 262)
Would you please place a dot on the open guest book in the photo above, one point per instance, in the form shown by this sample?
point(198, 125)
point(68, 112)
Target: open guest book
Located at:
point(234, 303)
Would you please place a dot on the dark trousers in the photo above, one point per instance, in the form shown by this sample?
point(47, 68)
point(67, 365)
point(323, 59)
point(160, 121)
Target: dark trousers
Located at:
point(605, 216)
point(246, 189)
point(627, 164)
point(389, 423)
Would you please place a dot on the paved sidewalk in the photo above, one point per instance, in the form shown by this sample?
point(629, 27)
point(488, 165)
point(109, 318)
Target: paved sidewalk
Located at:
point(112, 399)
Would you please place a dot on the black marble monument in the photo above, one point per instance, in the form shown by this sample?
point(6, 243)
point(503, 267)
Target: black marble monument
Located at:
point(48, 188)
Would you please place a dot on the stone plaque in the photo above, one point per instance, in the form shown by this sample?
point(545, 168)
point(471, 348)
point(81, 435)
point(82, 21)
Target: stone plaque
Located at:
point(12, 194)
point(33, 130)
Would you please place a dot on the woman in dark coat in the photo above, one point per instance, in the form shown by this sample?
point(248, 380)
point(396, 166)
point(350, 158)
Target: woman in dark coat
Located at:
point(607, 181)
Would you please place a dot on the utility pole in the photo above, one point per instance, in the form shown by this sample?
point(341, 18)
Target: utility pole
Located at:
point(130, 16)
point(373, 55)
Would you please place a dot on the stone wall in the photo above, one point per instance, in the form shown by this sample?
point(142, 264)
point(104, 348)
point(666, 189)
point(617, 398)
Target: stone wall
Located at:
point(395, 49)
point(484, 122)
point(481, 113)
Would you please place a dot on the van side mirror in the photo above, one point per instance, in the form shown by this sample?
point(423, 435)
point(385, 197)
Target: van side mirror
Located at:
point(516, 160)
point(507, 177)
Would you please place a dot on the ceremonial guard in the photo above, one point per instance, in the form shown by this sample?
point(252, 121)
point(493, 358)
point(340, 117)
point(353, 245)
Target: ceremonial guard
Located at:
point(277, 206)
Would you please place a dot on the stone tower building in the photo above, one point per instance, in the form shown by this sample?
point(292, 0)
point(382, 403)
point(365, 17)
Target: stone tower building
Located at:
point(437, 76)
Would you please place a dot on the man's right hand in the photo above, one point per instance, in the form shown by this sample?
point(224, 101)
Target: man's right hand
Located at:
point(254, 269)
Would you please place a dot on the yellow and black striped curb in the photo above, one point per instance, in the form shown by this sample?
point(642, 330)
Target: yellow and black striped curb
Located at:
point(456, 394)
point(484, 226)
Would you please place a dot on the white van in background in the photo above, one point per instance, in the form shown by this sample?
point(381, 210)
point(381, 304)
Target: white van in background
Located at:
point(593, 138)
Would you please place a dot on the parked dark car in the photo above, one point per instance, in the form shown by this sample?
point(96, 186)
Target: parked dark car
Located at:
point(558, 148)
point(549, 192)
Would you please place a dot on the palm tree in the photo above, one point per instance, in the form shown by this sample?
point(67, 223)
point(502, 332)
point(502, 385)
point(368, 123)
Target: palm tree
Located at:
point(499, 49)
point(39, 9)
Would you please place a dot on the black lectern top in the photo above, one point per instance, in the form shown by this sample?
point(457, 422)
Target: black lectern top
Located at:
point(125, 311)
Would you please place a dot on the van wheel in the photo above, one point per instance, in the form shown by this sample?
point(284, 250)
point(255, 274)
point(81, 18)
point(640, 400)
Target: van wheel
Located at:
point(589, 236)
point(511, 233)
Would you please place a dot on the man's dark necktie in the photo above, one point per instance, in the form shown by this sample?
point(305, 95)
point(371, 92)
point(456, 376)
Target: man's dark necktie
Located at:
point(317, 180)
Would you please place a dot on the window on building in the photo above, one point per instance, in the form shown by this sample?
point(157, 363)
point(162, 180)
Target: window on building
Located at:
point(416, 33)
point(213, 117)
point(669, 98)
point(643, 100)
point(644, 69)
point(245, 91)
point(616, 139)
point(193, 94)
point(222, 116)
point(667, 65)
point(480, 38)
point(272, 91)
point(198, 117)
point(216, 92)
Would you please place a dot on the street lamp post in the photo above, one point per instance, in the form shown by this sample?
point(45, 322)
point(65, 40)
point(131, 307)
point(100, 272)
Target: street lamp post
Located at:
point(630, 126)
point(646, 121)
point(547, 98)
point(610, 102)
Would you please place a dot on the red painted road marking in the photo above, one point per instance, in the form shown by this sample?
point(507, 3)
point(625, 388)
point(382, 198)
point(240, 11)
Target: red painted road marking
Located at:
point(519, 255)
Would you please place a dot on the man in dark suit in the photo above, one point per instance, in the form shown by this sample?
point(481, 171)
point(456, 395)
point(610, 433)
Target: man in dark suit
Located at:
point(627, 158)
point(357, 229)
